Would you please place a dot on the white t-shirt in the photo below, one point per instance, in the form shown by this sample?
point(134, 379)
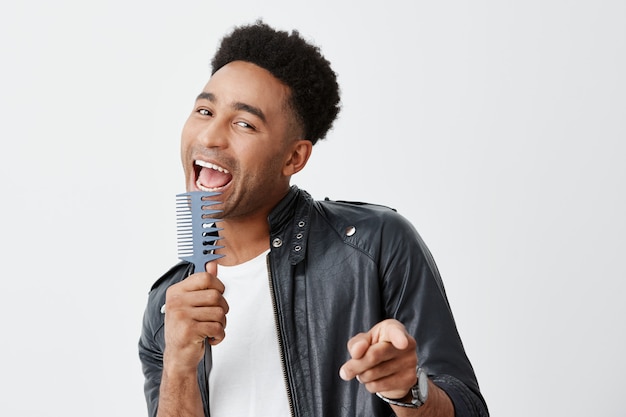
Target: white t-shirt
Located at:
point(247, 379)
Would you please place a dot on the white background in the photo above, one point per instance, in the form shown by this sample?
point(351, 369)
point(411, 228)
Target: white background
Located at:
point(497, 128)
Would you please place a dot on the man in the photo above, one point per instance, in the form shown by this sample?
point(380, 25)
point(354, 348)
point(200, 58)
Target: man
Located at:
point(264, 330)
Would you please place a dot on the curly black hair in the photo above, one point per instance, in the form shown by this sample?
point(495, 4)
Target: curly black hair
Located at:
point(295, 62)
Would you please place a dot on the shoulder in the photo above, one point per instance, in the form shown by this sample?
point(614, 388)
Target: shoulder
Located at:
point(373, 229)
point(156, 297)
point(339, 214)
point(152, 318)
point(356, 206)
point(175, 274)
point(362, 216)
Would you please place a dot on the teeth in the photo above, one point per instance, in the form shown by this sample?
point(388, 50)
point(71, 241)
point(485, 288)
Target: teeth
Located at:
point(212, 166)
point(203, 188)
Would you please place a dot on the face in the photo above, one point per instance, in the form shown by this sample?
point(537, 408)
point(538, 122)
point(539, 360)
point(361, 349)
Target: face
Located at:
point(241, 140)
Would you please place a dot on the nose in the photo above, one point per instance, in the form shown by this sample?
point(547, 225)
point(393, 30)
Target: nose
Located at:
point(213, 133)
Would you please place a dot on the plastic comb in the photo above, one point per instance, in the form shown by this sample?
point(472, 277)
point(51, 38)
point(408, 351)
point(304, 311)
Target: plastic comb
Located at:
point(197, 232)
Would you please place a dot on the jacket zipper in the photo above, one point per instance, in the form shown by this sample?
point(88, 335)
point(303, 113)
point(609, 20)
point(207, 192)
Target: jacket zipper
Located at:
point(280, 339)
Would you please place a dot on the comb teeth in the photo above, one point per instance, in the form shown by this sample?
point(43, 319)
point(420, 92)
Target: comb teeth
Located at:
point(197, 232)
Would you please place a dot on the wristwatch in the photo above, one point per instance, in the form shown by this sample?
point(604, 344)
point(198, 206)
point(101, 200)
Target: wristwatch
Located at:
point(419, 392)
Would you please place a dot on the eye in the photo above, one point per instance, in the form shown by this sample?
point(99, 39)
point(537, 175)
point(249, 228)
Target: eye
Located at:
point(204, 112)
point(245, 125)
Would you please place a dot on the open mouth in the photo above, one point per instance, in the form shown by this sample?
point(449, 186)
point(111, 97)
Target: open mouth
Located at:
point(211, 177)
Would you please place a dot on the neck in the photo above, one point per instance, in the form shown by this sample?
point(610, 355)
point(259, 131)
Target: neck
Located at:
point(243, 239)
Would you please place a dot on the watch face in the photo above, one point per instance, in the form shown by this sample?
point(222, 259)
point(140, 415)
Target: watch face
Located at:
point(422, 383)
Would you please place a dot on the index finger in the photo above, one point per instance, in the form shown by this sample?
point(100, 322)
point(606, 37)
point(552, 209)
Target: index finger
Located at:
point(203, 280)
point(395, 334)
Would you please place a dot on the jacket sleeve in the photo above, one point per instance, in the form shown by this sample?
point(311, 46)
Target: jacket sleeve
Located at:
point(413, 293)
point(151, 354)
point(152, 341)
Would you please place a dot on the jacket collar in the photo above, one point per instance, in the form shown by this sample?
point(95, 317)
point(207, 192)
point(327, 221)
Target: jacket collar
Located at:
point(293, 210)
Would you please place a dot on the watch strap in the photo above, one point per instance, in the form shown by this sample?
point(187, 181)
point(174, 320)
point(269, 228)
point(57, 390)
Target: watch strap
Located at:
point(418, 398)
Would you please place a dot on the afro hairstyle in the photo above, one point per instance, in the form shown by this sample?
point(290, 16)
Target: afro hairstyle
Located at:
point(315, 96)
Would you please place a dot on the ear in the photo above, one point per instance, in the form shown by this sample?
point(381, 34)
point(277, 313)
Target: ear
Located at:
point(297, 158)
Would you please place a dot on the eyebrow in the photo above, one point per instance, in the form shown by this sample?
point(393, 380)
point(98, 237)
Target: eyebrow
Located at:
point(237, 106)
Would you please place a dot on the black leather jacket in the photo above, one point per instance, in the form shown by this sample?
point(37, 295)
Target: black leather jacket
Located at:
point(336, 269)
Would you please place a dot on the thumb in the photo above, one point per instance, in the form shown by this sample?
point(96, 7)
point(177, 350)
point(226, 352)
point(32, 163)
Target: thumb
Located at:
point(211, 268)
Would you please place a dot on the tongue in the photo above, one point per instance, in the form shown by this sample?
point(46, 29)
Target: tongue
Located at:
point(211, 178)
